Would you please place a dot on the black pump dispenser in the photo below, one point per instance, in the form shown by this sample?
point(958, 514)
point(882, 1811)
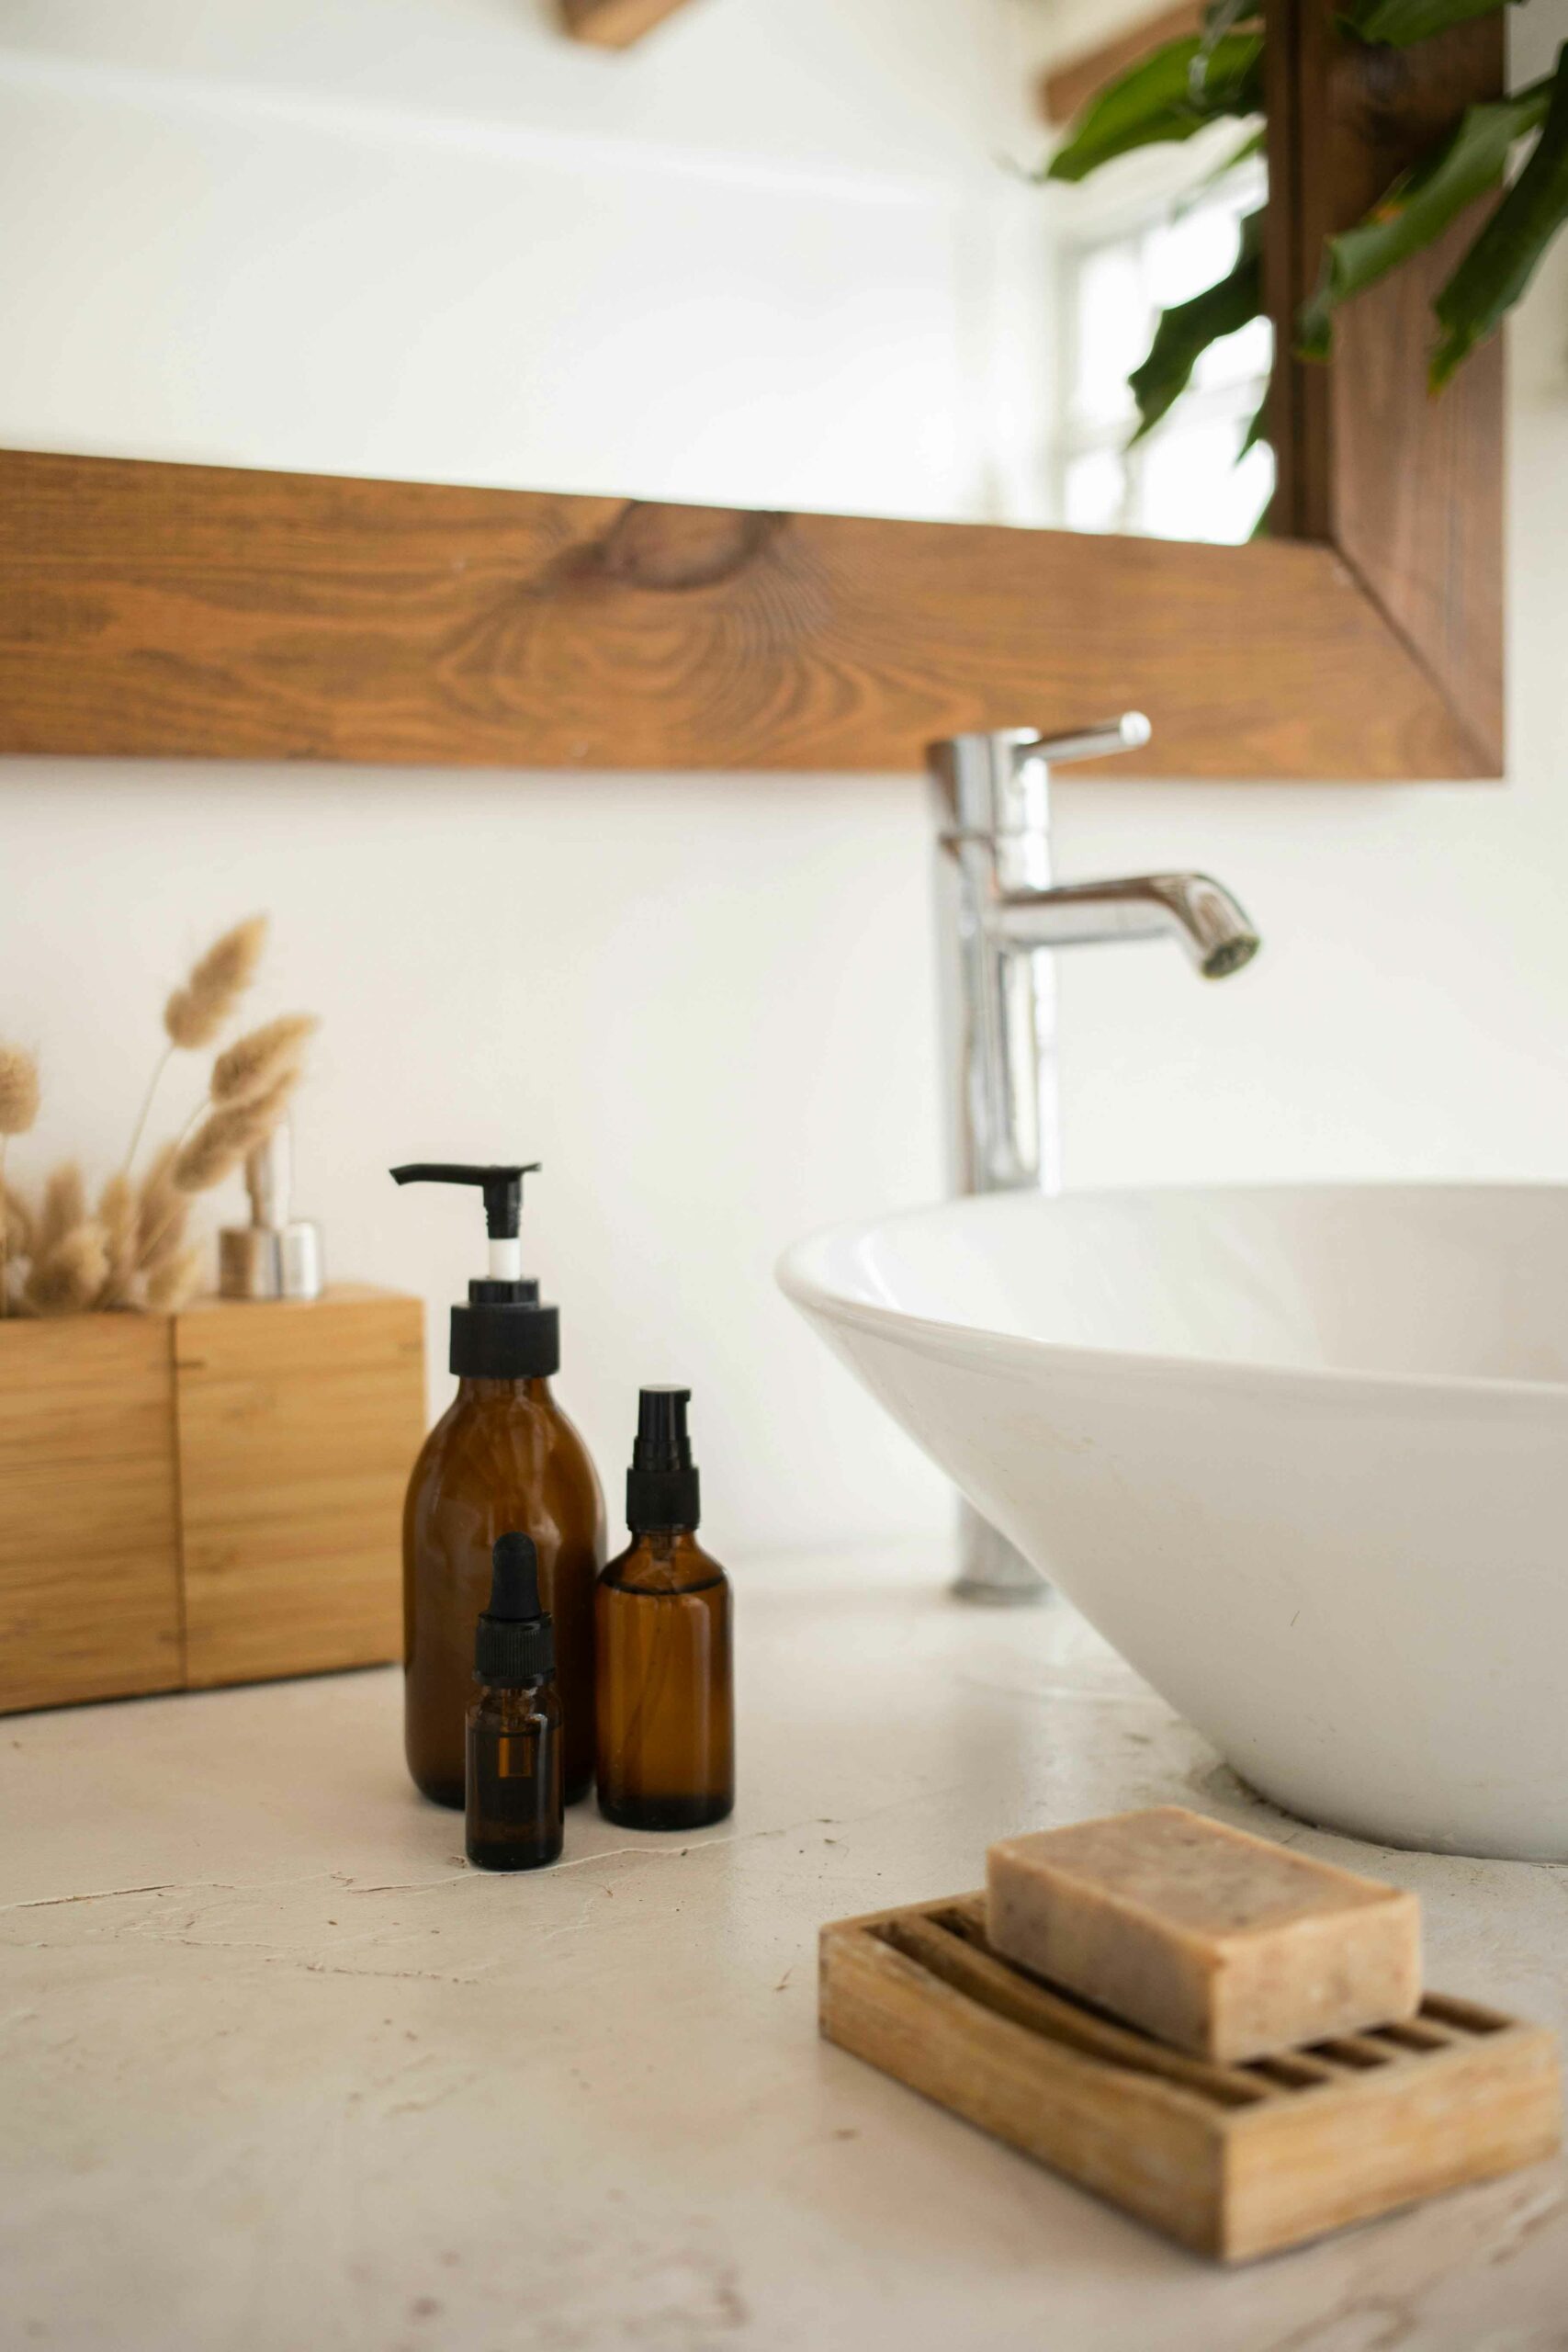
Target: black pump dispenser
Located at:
point(515, 1642)
point(503, 1333)
point(661, 1485)
point(503, 1188)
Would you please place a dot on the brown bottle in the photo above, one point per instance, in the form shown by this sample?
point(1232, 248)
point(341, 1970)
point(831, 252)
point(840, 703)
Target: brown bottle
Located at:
point(503, 1457)
point(666, 1706)
point(514, 1724)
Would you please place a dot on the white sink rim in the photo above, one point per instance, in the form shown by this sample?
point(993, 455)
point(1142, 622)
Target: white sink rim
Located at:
point(808, 1275)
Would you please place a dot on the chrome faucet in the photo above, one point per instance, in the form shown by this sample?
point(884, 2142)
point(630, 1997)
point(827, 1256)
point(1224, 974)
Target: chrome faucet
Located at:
point(1001, 918)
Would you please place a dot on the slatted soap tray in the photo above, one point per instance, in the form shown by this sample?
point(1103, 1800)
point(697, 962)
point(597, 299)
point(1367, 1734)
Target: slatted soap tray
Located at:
point(1234, 2161)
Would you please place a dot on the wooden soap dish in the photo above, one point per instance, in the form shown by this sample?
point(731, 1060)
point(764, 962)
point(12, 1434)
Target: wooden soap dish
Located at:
point(1233, 2161)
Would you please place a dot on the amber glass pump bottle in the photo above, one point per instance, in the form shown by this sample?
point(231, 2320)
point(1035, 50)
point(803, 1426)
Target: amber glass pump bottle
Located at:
point(514, 1723)
point(666, 1706)
point(503, 1457)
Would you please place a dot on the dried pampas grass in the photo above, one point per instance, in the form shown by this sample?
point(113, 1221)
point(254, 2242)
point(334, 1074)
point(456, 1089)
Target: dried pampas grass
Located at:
point(156, 1196)
point(117, 1215)
point(174, 1284)
point(225, 1137)
point(218, 1143)
point(17, 1237)
point(58, 1259)
point(19, 1109)
point(64, 1207)
point(18, 1090)
point(195, 1012)
point(256, 1064)
point(66, 1280)
point(117, 1210)
point(162, 1217)
point(68, 1253)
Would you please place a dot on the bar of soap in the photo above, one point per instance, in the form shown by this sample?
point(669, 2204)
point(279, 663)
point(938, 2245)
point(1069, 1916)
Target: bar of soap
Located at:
point(1218, 1943)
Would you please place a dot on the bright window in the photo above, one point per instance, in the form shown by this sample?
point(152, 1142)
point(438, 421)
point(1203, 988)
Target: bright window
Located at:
point(1184, 480)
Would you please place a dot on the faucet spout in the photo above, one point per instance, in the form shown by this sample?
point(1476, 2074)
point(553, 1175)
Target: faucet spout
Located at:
point(1002, 915)
point(1191, 907)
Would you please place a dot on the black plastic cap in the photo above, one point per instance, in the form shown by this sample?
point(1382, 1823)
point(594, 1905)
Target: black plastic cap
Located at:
point(491, 1290)
point(662, 1488)
point(515, 1642)
point(515, 1339)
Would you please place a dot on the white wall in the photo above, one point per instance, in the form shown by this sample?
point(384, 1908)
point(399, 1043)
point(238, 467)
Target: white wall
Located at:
point(704, 1004)
point(434, 239)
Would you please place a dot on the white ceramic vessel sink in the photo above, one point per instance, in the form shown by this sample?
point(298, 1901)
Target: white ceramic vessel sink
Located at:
point(1301, 1454)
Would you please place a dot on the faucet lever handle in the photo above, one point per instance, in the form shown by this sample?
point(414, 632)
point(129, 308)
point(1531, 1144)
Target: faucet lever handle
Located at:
point(1128, 733)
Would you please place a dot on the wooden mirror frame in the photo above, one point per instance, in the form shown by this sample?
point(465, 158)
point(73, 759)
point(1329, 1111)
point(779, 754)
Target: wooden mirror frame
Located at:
point(163, 611)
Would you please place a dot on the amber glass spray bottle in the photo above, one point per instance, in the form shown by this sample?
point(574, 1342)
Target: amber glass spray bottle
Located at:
point(514, 1724)
point(503, 1456)
point(666, 1709)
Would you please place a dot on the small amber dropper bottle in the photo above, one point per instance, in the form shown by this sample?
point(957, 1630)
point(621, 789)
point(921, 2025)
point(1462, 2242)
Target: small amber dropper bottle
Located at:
point(514, 1743)
point(666, 1714)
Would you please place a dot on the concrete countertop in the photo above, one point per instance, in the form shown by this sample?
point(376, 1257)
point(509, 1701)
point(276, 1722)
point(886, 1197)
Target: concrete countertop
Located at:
point(281, 2071)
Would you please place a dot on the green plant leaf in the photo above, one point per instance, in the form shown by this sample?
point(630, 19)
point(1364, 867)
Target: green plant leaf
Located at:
point(1220, 17)
point(1170, 95)
point(1185, 331)
point(1503, 259)
point(1258, 429)
point(1419, 206)
point(1397, 23)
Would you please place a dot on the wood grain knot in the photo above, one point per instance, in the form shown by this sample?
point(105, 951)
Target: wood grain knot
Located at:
point(683, 547)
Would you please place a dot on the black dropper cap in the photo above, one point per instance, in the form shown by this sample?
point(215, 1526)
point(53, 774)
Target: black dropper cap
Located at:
point(661, 1485)
point(503, 1333)
point(515, 1642)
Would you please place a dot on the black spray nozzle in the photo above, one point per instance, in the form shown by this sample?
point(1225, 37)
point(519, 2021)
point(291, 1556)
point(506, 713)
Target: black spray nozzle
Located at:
point(661, 1485)
point(662, 1442)
point(515, 1641)
point(501, 1187)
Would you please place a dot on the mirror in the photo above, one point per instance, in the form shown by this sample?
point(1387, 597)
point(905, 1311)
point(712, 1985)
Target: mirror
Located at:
point(787, 260)
point(780, 259)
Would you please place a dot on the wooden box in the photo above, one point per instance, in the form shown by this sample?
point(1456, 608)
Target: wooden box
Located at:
point(205, 1498)
point(1234, 2161)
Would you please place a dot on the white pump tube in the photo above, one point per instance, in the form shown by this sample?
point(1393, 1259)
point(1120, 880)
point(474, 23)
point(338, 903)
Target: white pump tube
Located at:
point(505, 1259)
